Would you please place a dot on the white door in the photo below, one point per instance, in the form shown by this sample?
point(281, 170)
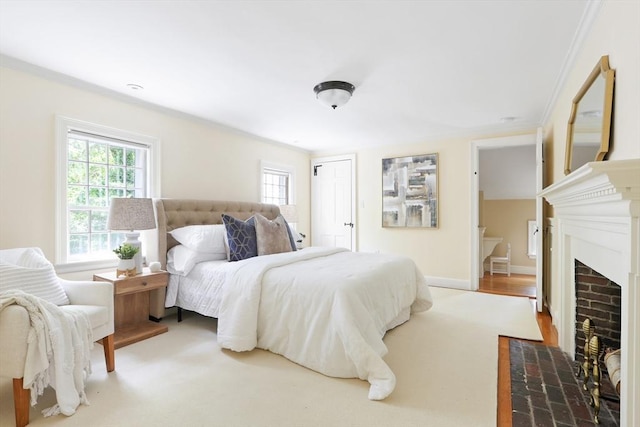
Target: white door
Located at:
point(539, 218)
point(333, 202)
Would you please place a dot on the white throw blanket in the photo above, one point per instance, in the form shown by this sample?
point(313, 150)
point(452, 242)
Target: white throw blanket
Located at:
point(58, 351)
point(326, 309)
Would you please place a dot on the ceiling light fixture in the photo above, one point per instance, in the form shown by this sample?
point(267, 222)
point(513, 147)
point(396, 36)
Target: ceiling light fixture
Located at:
point(334, 93)
point(134, 86)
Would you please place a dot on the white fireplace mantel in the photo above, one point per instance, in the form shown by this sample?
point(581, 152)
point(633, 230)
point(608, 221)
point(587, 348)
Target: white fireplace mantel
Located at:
point(597, 221)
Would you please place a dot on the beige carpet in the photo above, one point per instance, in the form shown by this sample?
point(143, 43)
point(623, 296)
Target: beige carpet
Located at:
point(445, 361)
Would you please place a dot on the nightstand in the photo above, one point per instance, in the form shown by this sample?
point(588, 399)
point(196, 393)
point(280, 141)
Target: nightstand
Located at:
point(131, 305)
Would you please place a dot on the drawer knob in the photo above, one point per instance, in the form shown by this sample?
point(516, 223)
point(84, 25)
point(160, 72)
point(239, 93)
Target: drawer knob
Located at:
point(144, 283)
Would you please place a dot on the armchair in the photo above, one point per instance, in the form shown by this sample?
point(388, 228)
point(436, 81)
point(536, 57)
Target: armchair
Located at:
point(93, 298)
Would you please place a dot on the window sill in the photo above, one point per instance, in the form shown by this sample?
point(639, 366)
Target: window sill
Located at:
point(93, 265)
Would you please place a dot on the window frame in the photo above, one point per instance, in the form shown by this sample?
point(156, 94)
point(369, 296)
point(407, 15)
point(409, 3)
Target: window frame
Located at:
point(279, 167)
point(64, 125)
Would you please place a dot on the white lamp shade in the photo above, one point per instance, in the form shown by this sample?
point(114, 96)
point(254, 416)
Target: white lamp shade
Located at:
point(131, 214)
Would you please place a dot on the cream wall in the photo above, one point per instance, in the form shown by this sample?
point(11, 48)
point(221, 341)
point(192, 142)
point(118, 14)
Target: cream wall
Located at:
point(205, 161)
point(444, 253)
point(441, 252)
point(614, 32)
point(512, 227)
point(198, 159)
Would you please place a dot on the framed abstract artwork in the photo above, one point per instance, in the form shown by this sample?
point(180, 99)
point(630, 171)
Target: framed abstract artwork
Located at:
point(410, 191)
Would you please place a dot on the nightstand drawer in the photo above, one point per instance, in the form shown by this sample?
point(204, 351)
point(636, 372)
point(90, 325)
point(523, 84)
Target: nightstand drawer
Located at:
point(140, 283)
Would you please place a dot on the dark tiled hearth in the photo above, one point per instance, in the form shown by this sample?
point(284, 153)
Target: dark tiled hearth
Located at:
point(546, 393)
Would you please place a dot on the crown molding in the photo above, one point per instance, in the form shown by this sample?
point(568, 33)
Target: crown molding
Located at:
point(588, 16)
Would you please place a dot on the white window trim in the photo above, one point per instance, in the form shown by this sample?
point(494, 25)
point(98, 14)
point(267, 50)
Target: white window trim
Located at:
point(281, 167)
point(63, 126)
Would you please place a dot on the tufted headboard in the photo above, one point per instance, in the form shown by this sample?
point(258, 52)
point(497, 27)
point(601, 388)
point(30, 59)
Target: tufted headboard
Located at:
point(176, 213)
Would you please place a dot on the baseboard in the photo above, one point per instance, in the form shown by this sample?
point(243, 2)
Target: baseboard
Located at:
point(521, 269)
point(445, 282)
point(517, 269)
point(555, 320)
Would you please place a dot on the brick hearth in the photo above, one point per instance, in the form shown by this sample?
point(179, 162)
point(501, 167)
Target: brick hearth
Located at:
point(545, 391)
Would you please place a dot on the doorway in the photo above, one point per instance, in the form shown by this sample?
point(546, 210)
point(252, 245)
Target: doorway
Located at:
point(511, 168)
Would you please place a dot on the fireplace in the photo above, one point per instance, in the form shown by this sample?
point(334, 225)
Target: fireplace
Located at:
point(597, 222)
point(598, 299)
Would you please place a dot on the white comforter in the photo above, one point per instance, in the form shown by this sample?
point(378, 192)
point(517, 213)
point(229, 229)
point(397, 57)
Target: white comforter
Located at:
point(323, 308)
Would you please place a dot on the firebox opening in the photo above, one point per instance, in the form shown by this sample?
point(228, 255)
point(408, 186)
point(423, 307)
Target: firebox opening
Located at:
point(599, 299)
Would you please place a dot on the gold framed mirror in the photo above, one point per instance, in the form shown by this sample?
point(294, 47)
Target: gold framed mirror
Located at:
point(589, 127)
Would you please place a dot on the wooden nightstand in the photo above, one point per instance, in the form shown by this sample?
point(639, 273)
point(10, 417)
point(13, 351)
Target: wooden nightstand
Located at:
point(131, 306)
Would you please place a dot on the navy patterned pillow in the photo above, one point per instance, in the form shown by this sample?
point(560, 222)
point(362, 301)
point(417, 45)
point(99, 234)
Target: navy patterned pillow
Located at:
point(242, 237)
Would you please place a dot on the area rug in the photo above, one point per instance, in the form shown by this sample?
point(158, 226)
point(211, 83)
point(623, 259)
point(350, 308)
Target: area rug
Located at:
point(445, 361)
point(545, 391)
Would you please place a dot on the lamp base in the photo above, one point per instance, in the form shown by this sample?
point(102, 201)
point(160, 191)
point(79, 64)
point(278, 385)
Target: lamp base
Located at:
point(132, 239)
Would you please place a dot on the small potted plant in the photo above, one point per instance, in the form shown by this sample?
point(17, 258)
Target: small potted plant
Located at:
point(126, 265)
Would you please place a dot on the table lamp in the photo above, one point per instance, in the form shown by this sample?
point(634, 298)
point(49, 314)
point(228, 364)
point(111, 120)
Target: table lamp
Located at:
point(132, 214)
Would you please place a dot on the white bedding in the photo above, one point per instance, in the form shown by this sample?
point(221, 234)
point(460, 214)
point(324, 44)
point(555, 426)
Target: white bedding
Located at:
point(200, 290)
point(324, 308)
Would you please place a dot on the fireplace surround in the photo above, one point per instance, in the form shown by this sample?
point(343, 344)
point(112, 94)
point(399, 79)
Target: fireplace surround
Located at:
point(597, 221)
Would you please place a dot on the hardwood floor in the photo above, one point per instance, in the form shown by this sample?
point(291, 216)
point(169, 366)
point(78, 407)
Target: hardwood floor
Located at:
point(521, 285)
point(516, 285)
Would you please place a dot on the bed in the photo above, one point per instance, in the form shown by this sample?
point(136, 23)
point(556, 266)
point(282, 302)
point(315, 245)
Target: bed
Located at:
point(324, 308)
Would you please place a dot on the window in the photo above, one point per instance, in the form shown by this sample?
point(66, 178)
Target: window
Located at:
point(277, 184)
point(96, 164)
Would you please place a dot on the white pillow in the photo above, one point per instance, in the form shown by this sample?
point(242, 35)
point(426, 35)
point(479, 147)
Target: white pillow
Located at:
point(182, 259)
point(33, 274)
point(202, 238)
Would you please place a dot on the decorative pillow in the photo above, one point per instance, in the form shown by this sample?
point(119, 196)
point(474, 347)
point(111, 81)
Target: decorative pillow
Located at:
point(241, 237)
point(202, 238)
point(182, 259)
point(272, 236)
point(33, 274)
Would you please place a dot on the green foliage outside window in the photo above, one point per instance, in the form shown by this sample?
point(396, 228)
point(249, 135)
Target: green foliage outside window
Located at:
point(98, 153)
point(77, 149)
point(97, 172)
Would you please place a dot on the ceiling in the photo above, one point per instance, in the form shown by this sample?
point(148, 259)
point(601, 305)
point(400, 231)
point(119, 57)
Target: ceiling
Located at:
point(423, 70)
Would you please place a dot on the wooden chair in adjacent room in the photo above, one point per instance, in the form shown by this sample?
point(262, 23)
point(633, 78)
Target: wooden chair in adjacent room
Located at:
point(501, 264)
